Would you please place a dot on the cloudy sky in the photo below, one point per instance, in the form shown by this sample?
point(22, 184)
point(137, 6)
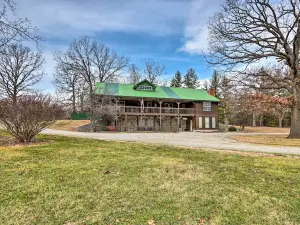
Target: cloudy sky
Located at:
point(172, 32)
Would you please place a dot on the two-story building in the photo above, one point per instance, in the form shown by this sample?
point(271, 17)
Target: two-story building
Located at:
point(147, 107)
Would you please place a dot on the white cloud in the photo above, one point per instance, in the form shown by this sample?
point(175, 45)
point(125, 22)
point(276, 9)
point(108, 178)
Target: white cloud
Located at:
point(196, 30)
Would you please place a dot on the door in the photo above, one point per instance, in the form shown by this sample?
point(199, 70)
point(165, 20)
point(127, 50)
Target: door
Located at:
point(207, 125)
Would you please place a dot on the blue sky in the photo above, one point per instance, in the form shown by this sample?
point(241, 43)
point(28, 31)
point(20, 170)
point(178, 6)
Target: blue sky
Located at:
point(171, 32)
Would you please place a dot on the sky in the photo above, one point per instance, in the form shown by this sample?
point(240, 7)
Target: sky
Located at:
point(171, 32)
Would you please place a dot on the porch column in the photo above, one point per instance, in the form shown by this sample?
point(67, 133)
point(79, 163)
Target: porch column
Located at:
point(126, 122)
point(160, 115)
point(178, 116)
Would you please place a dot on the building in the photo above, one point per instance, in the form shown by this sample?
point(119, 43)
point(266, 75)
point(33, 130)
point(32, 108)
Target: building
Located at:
point(146, 107)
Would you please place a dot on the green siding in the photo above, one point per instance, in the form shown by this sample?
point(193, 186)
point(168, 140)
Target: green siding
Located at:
point(126, 90)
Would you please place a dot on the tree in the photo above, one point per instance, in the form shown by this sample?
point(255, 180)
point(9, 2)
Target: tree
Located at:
point(246, 32)
point(14, 30)
point(191, 79)
point(29, 115)
point(134, 74)
point(20, 69)
point(176, 80)
point(108, 65)
point(92, 62)
point(107, 109)
point(214, 82)
point(66, 81)
point(153, 71)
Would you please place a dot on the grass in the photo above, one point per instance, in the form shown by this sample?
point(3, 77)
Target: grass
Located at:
point(266, 129)
point(69, 125)
point(81, 181)
point(275, 140)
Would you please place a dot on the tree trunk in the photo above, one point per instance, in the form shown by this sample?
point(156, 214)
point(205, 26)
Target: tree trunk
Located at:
point(254, 120)
point(226, 121)
point(73, 100)
point(81, 102)
point(295, 120)
point(280, 119)
point(261, 121)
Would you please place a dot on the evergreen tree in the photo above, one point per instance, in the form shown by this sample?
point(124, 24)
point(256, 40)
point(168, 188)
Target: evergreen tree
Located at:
point(176, 80)
point(215, 83)
point(191, 79)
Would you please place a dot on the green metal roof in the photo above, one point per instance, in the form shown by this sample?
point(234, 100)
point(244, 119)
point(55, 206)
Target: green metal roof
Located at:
point(127, 90)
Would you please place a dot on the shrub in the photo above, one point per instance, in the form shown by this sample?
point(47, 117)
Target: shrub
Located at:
point(28, 116)
point(232, 128)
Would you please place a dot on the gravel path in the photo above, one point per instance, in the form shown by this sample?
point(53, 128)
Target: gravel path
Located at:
point(187, 139)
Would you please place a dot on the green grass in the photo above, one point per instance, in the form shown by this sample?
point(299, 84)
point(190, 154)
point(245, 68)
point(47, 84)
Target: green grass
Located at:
point(80, 181)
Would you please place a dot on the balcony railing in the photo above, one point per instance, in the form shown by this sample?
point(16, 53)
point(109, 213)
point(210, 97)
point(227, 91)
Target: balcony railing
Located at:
point(155, 110)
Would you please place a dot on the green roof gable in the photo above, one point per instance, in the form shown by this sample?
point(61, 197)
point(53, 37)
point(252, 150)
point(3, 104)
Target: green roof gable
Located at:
point(127, 90)
point(145, 83)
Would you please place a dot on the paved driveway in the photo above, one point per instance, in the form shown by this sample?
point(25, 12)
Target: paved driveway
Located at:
point(187, 139)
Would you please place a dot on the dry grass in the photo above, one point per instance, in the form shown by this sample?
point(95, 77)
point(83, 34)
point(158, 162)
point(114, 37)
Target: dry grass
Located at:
point(266, 130)
point(280, 140)
point(69, 125)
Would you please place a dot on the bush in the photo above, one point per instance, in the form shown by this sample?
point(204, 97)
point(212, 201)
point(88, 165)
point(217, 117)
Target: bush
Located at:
point(28, 116)
point(232, 129)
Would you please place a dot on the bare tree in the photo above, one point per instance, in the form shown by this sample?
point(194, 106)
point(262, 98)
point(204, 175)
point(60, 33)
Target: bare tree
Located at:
point(135, 75)
point(107, 109)
point(246, 32)
point(14, 30)
point(66, 81)
point(29, 115)
point(153, 71)
point(92, 62)
point(108, 65)
point(20, 69)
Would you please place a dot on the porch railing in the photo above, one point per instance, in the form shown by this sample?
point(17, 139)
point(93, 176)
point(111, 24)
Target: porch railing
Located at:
point(156, 110)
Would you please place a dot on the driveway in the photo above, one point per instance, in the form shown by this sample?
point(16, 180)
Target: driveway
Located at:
point(186, 139)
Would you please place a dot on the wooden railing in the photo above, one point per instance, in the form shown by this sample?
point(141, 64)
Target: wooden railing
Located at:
point(156, 110)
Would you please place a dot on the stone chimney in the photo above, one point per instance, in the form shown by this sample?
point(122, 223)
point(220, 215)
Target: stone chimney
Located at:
point(212, 91)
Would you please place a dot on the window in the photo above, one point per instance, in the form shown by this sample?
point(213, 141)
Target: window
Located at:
point(146, 88)
point(183, 106)
point(213, 122)
point(169, 105)
point(206, 106)
point(200, 122)
point(149, 104)
point(207, 122)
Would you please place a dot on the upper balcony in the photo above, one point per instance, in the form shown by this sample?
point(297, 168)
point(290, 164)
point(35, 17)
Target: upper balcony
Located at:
point(136, 110)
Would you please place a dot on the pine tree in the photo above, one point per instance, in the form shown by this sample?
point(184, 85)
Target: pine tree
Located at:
point(176, 80)
point(191, 79)
point(215, 83)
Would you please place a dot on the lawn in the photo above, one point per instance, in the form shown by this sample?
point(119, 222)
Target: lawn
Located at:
point(68, 125)
point(266, 129)
point(280, 140)
point(79, 181)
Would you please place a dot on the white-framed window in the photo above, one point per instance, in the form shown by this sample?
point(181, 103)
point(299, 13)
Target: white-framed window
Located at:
point(206, 106)
point(183, 105)
point(213, 122)
point(149, 104)
point(207, 125)
point(200, 122)
point(144, 87)
point(169, 105)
